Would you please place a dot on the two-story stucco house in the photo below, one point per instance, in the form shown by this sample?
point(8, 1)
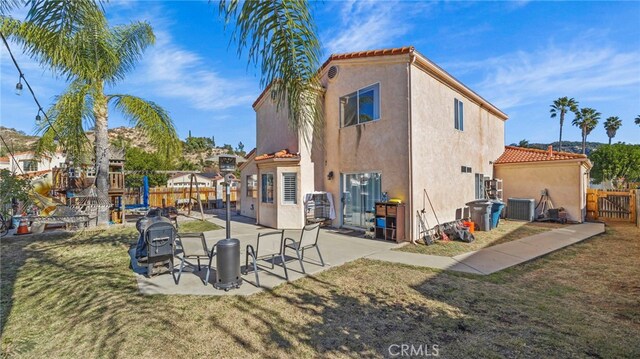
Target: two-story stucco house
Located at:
point(395, 122)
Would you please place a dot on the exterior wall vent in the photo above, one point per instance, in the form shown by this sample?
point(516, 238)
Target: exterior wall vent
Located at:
point(333, 72)
point(521, 209)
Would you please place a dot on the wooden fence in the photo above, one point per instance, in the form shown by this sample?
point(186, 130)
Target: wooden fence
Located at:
point(174, 196)
point(612, 205)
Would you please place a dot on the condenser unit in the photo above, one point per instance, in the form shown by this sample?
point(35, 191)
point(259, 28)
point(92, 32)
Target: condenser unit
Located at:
point(523, 209)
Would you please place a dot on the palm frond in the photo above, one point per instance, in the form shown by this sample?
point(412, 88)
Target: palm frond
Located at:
point(152, 119)
point(69, 115)
point(280, 37)
point(65, 16)
point(8, 5)
point(129, 43)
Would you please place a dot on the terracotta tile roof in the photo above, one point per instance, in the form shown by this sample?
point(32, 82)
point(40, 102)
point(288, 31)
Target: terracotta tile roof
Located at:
point(4, 159)
point(369, 53)
point(514, 154)
point(351, 55)
point(280, 154)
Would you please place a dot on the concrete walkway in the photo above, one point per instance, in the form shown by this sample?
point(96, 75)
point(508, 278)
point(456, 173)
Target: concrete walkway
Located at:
point(496, 258)
point(338, 249)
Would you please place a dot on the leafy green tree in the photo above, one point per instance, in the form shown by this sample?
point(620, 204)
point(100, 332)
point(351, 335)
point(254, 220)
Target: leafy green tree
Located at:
point(92, 56)
point(586, 119)
point(228, 149)
point(240, 149)
point(560, 108)
point(637, 120)
point(186, 165)
point(618, 163)
point(197, 144)
point(144, 164)
point(13, 188)
point(523, 143)
point(612, 124)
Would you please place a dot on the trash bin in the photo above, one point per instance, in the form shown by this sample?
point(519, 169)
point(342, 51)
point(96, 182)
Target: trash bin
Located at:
point(228, 264)
point(481, 214)
point(496, 210)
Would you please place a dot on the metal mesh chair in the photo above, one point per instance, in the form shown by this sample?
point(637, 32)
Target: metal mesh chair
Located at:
point(193, 246)
point(308, 239)
point(268, 246)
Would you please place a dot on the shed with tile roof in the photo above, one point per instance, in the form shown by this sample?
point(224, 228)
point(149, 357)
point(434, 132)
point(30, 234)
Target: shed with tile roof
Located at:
point(526, 172)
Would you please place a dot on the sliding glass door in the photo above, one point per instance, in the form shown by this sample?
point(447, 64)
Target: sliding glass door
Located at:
point(359, 194)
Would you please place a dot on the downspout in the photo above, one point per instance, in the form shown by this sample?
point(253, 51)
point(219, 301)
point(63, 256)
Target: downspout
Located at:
point(412, 235)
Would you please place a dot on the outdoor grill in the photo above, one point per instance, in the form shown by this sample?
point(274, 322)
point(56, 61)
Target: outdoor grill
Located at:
point(159, 237)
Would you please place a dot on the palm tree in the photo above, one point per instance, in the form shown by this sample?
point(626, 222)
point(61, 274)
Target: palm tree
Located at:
point(612, 124)
point(637, 120)
point(92, 56)
point(586, 119)
point(561, 106)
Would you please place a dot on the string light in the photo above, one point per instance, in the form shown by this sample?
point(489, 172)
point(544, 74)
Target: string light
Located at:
point(19, 86)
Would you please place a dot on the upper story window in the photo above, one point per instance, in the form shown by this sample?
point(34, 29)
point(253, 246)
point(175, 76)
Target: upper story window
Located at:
point(29, 165)
point(458, 116)
point(361, 106)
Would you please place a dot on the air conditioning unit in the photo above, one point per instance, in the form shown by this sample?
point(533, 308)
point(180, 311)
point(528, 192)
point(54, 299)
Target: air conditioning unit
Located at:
point(523, 209)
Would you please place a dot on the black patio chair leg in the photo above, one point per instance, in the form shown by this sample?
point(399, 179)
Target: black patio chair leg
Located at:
point(320, 255)
point(199, 265)
point(182, 260)
point(286, 274)
point(206, 280)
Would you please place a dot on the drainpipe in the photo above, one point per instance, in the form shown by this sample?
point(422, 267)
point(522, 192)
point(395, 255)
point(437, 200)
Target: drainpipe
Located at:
point(412, 235)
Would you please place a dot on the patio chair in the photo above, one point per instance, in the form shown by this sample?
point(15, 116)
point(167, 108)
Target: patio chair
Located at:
point(268, 245)
point(308, 239)
point(193, 246)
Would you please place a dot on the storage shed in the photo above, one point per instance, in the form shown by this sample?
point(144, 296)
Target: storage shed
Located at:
point(526, 172)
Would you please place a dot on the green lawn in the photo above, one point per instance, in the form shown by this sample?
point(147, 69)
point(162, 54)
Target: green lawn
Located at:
point(74, 296)
point(505, 232)
point(197, 226)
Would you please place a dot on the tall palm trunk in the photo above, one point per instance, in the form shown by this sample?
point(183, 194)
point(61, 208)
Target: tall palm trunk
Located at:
point(584, 139)
point(102, 154)
point(610, 139)
point(561, 123)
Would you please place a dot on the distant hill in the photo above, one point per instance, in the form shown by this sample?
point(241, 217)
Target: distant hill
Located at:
point(195, 151)
point(567, 146)
point(17, 141)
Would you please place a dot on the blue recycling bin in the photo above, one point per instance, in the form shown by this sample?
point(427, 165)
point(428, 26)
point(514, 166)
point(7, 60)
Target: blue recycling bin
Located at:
point(496, 210)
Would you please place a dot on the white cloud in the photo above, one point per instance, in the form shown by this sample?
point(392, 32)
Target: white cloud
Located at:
point(523, 78)
point(172, 71)
point(367, 25)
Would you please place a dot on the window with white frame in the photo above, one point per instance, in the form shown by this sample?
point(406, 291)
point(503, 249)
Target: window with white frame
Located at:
point(267, 188)
point(480, 186)
point(252, 186)
point(458, 114)
point(29, 165)
point(289, 188)
point(361, 106)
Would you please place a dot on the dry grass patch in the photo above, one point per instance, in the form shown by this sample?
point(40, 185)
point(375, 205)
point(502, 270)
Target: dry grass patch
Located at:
point(74, 296)
point(197, 226)
point(505, 232)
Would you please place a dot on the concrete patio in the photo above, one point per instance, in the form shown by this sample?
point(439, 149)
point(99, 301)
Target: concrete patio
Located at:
point(338, 248)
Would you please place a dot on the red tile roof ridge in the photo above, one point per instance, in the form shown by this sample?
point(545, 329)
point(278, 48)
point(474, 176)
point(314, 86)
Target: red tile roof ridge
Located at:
point(513, 154)
point(278, 154)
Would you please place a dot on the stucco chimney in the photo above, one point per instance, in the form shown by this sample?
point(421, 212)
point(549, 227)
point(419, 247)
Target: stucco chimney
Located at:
point(550, 151)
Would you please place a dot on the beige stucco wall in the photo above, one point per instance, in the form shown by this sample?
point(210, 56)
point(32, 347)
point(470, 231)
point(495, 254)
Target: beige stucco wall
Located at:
point(248, 205)
point(272, 128)
point(439, 150)
point(377, 146)
point(565, 181)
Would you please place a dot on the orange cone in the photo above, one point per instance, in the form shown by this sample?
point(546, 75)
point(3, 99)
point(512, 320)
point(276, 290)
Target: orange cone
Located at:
point(23, 228)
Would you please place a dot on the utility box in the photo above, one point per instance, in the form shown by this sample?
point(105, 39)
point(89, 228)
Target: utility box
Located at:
point(523, 209)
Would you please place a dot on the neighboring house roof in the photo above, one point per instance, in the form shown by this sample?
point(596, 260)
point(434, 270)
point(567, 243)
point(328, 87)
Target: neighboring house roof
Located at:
point(250, 153)
point(514, 154)
point(203, 175)
point(280, 154)
point(424, 63)
point(4, 159)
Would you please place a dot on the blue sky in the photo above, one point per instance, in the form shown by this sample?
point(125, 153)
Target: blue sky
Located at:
point(519, 55)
